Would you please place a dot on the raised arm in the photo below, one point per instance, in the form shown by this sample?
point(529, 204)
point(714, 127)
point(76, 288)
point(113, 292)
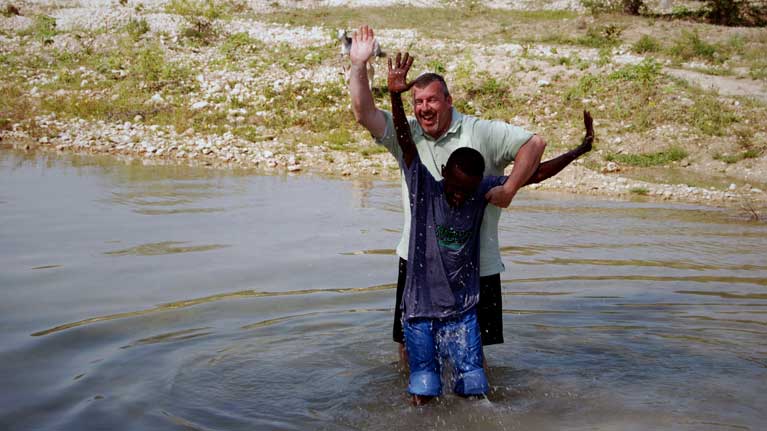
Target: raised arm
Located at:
point(549, 168)
point(397, 85)
point(363, 105)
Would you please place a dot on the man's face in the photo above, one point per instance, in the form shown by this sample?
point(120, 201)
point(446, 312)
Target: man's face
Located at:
point(432, 109)
point(458, 186)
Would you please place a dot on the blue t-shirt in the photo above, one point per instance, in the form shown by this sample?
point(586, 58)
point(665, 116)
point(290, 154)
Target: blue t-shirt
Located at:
point(443, 262)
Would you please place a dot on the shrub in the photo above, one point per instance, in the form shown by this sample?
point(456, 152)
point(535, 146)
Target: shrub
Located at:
point(690, 46)
point(645, 72)
point(136, 28)
point(43, 28)
point(602, 36)
point(646, 44)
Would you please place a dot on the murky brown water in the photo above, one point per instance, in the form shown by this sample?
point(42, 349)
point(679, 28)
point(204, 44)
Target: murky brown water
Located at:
point(156, 298)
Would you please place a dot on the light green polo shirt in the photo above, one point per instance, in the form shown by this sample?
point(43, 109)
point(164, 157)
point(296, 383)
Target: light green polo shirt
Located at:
point(498, 142)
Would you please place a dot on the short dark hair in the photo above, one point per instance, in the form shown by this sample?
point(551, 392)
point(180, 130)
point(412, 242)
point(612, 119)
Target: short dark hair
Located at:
point(427, 78)
point(467, 160)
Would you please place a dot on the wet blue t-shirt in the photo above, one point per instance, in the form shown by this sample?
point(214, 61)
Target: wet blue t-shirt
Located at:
point(443, 262)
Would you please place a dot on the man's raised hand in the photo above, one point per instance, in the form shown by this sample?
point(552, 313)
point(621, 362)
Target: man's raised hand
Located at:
point(363, 44)
point(398, 73)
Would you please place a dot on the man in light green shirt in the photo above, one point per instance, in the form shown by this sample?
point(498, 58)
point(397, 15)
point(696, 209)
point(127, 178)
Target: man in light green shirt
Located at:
point(438, 129)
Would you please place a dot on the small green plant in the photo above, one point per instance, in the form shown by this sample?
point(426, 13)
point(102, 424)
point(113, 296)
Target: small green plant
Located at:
point(436, 66)
point(646, 71)
point(206, 9)
point(43, 28)
point(689, 46)
point(751, 153)
point(673, 154)
point(640, 191)
point(137, 28)
point(710, 116)
point(601, 36)
point(239, 43)
point(646, 44)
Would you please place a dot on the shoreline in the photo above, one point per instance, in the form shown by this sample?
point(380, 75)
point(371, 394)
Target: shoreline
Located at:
point(270, 158)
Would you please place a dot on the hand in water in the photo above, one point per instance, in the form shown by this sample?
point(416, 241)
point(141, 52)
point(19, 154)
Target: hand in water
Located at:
point(363, 44)
point(585, 147)
point(398, 73)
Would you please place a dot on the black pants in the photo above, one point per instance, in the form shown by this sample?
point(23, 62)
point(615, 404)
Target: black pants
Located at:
point(489, 309)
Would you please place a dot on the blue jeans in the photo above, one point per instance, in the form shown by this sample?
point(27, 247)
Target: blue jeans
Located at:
point(458, 338)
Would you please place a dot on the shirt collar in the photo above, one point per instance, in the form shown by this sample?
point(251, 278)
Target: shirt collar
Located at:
point(456, 119)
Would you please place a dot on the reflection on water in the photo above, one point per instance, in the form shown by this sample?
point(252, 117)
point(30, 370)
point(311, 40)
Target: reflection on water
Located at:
point(148, 298)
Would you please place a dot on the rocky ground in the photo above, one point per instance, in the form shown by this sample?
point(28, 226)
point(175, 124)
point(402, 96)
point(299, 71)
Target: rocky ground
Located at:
point(261, 85)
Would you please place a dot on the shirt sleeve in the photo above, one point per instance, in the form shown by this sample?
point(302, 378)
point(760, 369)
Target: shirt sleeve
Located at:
point(389, 138)
point(500, 141)
point(490, 181)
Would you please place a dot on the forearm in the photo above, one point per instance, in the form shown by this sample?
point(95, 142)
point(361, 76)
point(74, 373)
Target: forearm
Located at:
point(552, 167)
point(402, 128)
point(525, 165)
point(363, 104)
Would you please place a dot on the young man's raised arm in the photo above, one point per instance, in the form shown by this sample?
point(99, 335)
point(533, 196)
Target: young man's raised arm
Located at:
point(549, 168)
point(363, 105)
point(397, 81)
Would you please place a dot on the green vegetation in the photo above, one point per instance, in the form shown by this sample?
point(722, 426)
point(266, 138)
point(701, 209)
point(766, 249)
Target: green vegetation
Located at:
point(646, 44)
point(42, 29)
point(690, 46)
point(238, 44)
point(137, 28)
point(673, 154)
point(734, 158)
point(640, 191)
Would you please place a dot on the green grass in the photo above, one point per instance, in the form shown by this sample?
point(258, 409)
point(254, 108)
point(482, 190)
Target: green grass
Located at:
point(673, 154)
point(690, 46)
point(751, 153)
point(640, 191)
point(43, 28)
point(710, 116)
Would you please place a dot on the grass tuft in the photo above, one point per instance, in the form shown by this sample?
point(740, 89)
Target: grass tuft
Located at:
point(673, 154)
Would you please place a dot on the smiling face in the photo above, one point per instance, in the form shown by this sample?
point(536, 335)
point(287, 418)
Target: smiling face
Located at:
point(433, 109)
point(458, 185)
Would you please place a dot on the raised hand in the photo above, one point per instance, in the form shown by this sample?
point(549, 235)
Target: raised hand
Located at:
point(585, 147)
point(398, 73)
point(363, 44)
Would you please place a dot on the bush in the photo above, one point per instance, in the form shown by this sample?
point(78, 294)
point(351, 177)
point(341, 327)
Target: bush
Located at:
point(646, 44)
point(690, 46)
point(136, 28)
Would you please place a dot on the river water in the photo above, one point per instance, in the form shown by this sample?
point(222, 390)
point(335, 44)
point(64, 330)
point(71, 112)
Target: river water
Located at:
point(156, 298)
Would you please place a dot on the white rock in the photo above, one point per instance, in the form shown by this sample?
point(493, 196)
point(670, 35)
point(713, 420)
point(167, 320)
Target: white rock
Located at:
point(294, 168)
point(543, 83)
point(267, 154)
point(157, 98)
point(732, 186)
point(199, 105)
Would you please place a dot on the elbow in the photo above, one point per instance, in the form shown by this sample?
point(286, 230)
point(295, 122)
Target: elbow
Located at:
point(539, 145)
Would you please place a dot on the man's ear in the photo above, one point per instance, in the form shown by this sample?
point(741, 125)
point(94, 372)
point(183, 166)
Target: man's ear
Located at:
point(450, 100)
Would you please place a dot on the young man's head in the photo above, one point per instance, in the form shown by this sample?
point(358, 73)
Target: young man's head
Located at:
point(432, 104)
point(462, 173)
